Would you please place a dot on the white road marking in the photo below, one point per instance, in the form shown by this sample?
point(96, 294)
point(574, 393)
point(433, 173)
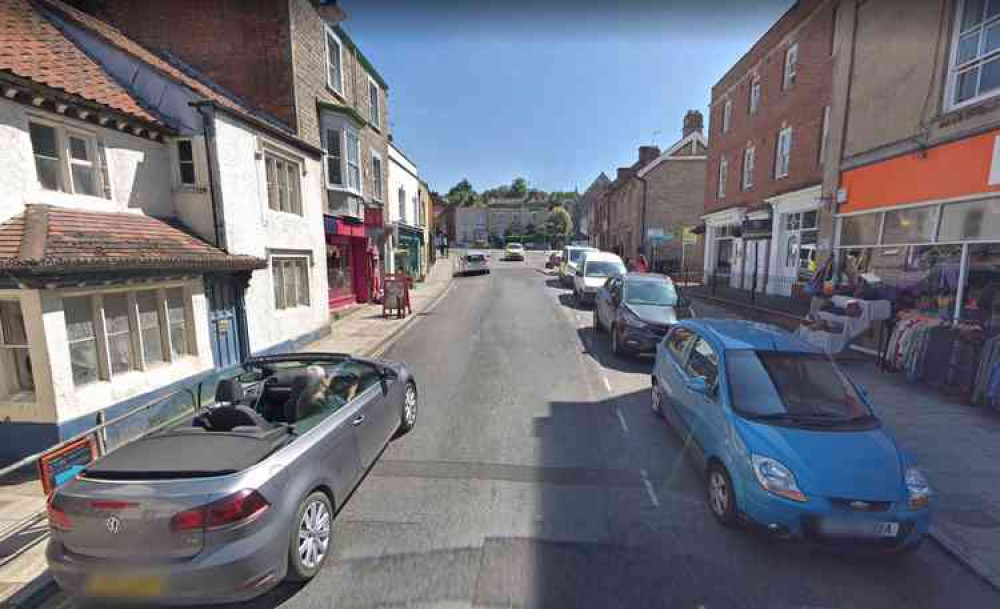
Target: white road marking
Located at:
point(621, 419)
point(649, 488)
point(607, 383)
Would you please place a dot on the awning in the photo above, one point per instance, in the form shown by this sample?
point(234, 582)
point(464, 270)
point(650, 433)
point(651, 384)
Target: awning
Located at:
point(47, 241)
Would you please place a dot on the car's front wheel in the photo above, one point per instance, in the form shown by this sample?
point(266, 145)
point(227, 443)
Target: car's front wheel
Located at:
point(656, 402)
point(721, 497)
point(310, 543)
point(408, 414)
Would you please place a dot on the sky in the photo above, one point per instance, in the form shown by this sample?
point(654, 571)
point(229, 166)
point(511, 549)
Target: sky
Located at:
point(554, 91)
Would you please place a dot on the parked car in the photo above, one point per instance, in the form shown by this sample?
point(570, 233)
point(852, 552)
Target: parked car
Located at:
point(555, 259)
point(228, 503)
point(592, 272)
point(570, 259)
point(514, 251)
point(786, 440)
point(473, 262)
point(637, 310)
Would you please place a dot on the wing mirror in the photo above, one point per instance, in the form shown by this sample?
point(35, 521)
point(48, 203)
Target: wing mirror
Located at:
point(697, 384)
point(579, 272)
point(683, 302)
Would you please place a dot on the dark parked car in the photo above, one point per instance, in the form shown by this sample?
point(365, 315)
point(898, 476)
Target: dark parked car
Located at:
point(637, 309)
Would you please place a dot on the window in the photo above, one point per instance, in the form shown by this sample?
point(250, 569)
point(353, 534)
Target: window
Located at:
point(824, 136)
point(971, 220)
point(703, 362)
point(859, 230)
point(975, 66)
point(334, 157)
point(283, 192)
point(727, 114)
point(402, 204)
point(185, 162)
point(748, 166)
point(118, 333)
point(376, 176)
point(150, 333)
point(14, 351)
point(723, 170)
point(909, 226)
point(677, 341)
point(791, 66)
point(177, 322)
point(353, 160)
point(754, 95)
point(82, 338)
point(65, 160)
point(291, 281)
point(334, 62)
point(782, 153)
point(373, 102)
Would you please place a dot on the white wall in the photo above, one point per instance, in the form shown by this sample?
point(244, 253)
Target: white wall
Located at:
point(402, 173)
point(252, 228)
point(138, 168)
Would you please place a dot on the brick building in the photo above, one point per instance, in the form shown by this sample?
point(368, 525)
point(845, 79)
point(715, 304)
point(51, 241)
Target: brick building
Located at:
point(588, 206)
point(769, 129)
point(296, 62)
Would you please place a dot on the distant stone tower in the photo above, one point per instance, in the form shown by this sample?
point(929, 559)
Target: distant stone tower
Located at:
point(693, 121)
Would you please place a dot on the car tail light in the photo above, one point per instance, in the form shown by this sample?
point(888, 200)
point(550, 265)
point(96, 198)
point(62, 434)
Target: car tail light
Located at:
point(59, 520)
point(240, 507)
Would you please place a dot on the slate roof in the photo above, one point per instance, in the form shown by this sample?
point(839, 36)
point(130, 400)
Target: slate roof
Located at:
point(33, 48)
point(50, 240)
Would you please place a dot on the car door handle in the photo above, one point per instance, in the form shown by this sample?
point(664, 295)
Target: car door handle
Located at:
point(358, 420)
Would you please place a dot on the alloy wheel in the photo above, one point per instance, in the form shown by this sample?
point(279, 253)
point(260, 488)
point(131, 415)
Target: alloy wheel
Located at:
point(314, 534)
point(410, 406)
point(657, 400)
point(718, 493)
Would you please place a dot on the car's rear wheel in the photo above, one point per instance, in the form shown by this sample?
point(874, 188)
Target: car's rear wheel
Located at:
point(721, 498)
point(656, 401)
point(408, 415)
point(310, 543)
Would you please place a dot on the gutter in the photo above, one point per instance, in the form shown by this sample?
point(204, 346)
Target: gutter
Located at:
point(207, 112)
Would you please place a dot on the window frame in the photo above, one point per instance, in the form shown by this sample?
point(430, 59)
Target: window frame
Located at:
point(8, 351)
point(719, 363)
point(377, 184)
point(374, 103)
point(749, 166)
point(65, 161)
point(727, 115)
point(181, 162)
point(976, 63)
point(339, 86)
point(292, 202)
point(280, 264)
point(723, 176)
point(753, 103)
point(785, 134)
point(824, 137)
point(401, 196)
point(790, 71)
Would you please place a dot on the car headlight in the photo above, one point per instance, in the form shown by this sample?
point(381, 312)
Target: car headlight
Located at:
point(776, 478)
point(918, 488)
point(632, 321)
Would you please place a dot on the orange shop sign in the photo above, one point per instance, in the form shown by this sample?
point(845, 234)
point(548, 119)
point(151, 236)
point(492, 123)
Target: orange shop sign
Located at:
point(957, 169)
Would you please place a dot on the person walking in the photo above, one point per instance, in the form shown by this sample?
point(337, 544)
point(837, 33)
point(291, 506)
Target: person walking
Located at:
point(642, 265)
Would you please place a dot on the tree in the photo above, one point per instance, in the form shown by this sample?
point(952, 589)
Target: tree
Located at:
point(519, 187)
point(559, 223)
point(461, 194)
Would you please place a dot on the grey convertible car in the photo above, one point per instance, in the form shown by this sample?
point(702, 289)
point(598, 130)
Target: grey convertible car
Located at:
point(240, 496)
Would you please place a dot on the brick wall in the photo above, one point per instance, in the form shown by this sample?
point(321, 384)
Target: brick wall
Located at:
point(809, 24)
point(674, 198)
point(243, 45)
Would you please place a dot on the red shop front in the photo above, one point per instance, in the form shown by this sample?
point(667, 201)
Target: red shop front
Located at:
point(348, 267)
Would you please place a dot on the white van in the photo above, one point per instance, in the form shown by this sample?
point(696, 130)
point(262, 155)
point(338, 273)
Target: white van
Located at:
point(593, 271)
point(572, 254)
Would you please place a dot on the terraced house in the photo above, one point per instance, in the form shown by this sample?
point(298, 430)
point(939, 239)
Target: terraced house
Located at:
point(294, 60)
point(153, 227)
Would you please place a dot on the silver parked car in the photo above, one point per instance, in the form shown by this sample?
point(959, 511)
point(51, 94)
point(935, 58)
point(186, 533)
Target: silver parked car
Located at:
point(240, 496)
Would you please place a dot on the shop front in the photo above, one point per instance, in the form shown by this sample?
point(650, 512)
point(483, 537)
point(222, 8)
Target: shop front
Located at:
point(348, 275)
point(922, 231)
point(409, 248)
point(796, 232)
point(723, 247)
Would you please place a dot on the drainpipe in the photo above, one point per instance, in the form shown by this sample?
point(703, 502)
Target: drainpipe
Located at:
point(211, 153)
point(642, 235)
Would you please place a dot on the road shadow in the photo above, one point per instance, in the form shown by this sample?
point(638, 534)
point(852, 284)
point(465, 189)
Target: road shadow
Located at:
point(598, 346)
point(567, 299)
point(555, 283)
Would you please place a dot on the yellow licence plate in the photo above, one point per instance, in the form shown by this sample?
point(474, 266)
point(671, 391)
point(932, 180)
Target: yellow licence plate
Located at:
point(126, 587)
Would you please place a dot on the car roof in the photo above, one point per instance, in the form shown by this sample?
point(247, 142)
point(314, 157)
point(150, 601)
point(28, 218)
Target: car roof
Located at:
point(735, 334)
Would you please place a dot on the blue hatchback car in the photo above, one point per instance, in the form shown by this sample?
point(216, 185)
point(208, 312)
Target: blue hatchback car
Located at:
point(786, 440)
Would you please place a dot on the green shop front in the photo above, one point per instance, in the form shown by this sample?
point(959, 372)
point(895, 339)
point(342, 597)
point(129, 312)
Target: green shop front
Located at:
point(409, 249)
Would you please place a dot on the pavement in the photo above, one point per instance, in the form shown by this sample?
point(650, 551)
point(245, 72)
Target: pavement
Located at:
point(24, 580)
point(537, 476)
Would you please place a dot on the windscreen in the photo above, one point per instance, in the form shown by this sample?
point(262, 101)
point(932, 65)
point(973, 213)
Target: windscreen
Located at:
point(476, 258)
point(650, 292)
point(604, 268)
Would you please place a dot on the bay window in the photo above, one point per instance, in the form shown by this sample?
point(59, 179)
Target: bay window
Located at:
point(14, 353)
point(353, 160)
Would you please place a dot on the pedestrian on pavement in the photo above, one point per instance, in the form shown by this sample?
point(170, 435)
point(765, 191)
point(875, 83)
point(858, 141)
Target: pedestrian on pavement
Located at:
point(642, 265)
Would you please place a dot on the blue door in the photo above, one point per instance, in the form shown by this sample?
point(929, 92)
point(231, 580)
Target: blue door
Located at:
point(226, 320)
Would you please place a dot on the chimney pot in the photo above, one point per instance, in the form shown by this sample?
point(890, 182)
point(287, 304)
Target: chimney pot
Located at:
point(693, 121)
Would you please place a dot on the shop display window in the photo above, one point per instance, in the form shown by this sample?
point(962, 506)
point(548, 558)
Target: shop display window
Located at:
point(981, 298)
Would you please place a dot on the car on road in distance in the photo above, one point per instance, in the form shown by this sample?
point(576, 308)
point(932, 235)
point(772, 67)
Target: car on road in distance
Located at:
point(592, 272)
point(513, 251)
point(637, 310)
point(472, 262)
point(555, 259)
point(237, 497)
point(571, 256)
point(786, 440)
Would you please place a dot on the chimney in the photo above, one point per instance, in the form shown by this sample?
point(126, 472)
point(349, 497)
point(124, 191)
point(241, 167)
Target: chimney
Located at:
point(693, 121)
point(648, 154)
point(622, 173)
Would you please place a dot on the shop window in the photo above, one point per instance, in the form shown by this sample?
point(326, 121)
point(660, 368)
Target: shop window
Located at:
point(909, 226)
point(14, 352)
point(915, 277)
point(338, 268)
point(970, 220)
point(859, 230)
point(291, 281)
point(981, 298)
